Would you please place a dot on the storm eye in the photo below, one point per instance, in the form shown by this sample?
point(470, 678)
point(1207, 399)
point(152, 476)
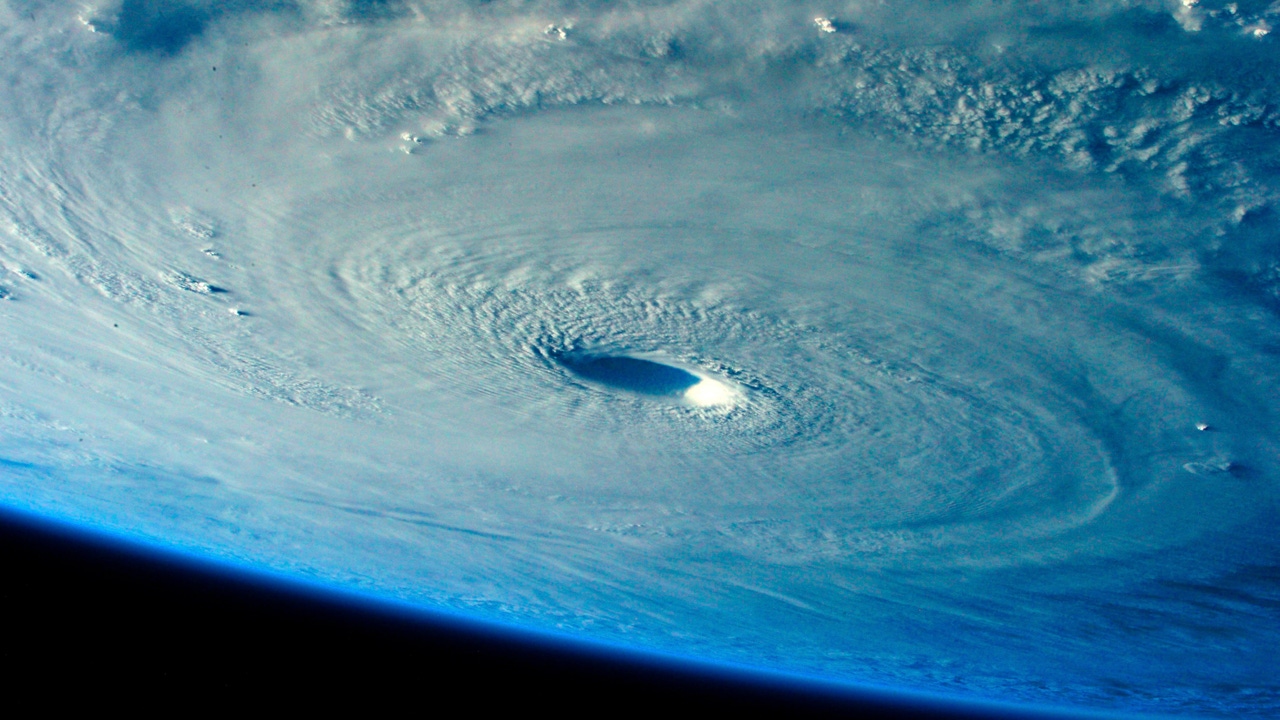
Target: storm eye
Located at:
point(651, 378)
point(631, 374)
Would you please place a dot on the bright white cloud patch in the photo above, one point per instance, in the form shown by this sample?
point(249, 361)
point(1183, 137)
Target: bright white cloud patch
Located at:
point(710, 393)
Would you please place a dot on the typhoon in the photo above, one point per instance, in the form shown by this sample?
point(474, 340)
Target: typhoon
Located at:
point(930, 345)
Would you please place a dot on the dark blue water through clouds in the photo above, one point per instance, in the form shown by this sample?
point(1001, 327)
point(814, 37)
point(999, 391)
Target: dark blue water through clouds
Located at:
point(632, 374)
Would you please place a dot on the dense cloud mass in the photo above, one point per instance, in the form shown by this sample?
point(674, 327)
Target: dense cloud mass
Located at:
point(921, 344)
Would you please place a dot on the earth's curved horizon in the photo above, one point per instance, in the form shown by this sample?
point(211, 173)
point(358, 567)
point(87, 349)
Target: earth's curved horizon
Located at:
point(930, 346)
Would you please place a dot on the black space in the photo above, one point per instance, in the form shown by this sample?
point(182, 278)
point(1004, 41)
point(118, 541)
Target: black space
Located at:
point(88, 621)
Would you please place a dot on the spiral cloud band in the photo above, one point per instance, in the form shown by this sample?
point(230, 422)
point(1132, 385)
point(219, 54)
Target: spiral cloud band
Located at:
point(930, 345)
